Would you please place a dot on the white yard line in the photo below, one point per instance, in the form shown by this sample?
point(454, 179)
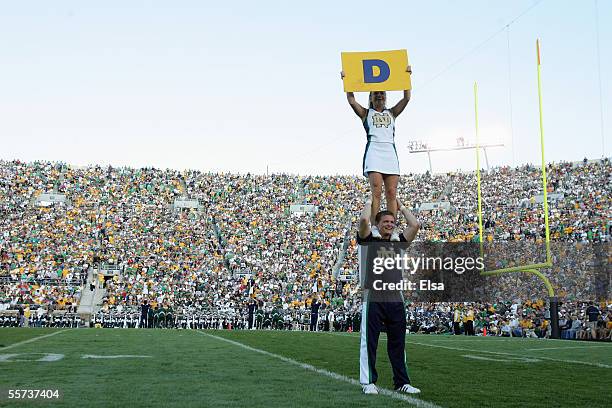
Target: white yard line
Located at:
point(389, 393)
point(503, 360)
point(117, 356)
point(558, 360)
point(10, 346)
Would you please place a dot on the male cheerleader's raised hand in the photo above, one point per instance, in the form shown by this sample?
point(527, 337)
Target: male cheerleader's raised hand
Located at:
point(413, 225)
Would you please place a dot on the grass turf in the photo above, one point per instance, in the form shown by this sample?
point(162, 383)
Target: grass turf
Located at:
point(187, 368)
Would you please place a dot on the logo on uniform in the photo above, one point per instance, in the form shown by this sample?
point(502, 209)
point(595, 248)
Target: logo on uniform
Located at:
point(385, 252)
point(380, 120)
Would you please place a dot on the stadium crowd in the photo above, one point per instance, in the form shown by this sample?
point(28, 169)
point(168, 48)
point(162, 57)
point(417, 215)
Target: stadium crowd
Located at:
point(245, 243)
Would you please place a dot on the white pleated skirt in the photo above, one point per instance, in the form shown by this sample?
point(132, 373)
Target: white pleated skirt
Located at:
point(381, 158)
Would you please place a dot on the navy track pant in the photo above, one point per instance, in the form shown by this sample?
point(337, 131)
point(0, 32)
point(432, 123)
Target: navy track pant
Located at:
point(373, 316)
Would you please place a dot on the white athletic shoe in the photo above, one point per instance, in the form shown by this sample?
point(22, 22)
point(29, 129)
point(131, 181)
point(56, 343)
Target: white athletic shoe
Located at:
point(395, 235)
point(370, 389)
point(408, 389)
point(376, 232)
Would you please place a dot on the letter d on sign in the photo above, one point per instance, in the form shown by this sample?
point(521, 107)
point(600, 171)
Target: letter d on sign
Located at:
point(368, 71)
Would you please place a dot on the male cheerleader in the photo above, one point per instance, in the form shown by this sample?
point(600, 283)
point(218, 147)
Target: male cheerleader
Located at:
point(383, 308)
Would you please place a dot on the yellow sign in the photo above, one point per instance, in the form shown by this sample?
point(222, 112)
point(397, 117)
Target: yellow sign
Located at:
point(375, 71)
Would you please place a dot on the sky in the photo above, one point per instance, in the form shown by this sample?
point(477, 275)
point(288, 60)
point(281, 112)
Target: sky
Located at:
point(254, 87)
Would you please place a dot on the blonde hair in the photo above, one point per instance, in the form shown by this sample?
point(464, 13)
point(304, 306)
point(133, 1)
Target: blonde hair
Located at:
point(370, 104)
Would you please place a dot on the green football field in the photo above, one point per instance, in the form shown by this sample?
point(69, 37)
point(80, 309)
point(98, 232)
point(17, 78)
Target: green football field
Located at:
point(189, 368)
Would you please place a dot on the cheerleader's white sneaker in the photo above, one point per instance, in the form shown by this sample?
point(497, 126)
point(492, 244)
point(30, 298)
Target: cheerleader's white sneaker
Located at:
point(408, 389)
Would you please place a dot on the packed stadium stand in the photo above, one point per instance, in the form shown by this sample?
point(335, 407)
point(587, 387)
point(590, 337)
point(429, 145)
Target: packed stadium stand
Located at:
point(198, 246)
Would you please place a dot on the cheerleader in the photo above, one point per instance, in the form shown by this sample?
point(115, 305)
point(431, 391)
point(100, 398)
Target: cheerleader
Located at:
point(380, 163)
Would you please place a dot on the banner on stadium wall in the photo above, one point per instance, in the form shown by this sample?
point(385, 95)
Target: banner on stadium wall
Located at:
point(550, 196)
point(186, 203)
point(108, 269)
point(439, 205)
point(47, 199)
point(375, 71)
point(243, 273)
point(347, 276)
point(303, 209)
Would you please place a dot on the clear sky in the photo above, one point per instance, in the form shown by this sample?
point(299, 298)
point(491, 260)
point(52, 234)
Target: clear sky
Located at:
point(243, 86)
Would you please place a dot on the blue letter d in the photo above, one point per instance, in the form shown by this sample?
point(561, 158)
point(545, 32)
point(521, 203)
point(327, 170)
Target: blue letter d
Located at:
point(368, 71)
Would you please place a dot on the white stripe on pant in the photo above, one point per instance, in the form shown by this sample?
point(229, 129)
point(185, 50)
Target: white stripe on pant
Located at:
point(364, 363)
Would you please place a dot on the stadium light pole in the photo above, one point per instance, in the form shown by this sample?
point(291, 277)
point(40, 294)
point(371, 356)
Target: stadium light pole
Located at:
point(424, 148)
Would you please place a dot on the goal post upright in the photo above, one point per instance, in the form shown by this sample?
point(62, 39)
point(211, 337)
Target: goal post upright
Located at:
point(533, 269)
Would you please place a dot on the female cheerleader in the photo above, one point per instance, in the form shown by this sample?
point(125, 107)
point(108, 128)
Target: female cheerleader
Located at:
point(380, 162)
